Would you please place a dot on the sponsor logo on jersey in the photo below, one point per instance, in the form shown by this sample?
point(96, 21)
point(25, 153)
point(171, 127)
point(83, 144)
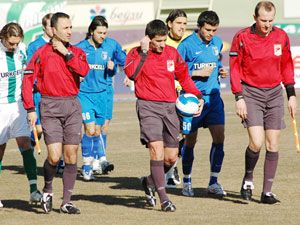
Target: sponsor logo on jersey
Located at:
point(97, 67)
point(277, 50)
point(199, 66)
point(104, 55)
point(11, 73)
point(170, 65)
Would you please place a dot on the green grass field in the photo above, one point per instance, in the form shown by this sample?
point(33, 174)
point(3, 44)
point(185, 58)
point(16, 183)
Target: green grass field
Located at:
point(117, 198)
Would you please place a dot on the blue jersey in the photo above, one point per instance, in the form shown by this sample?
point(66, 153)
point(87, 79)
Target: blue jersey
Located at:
point(35, 45)
point(99, 76)
point(198, 55)
point(119, 56)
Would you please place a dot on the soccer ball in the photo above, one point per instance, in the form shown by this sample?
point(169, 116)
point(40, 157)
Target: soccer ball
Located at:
point(187, 105)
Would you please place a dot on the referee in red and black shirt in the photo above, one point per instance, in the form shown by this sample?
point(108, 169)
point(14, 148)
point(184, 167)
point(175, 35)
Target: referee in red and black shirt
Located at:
point(57, 67)
point(153, 66)
point(260, 60)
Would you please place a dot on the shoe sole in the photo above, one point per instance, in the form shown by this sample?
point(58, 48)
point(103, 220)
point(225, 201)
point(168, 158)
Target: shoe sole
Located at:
point(170, 186)
point(187, 194)
point(63, 212)
point(45, 209)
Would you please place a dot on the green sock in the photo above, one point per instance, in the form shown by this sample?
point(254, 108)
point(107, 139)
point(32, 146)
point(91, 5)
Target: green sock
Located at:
point(0, 166)
point(29, 163)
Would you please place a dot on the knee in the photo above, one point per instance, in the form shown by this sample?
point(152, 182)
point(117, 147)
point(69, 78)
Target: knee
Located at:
point(104, 129)
point(90, 132)
point(53, 160)
point(219, 139)
point(156, 151)
point(171, 159)
point(256, 147)
point(272, 146)
point(70, 159)
point(25, 145)
point(190, 141)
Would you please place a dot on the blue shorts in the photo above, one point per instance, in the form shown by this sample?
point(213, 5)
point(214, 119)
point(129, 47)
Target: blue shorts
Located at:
point(93, 107)
point(212, 113)
point(36, 100)
point(110, 102)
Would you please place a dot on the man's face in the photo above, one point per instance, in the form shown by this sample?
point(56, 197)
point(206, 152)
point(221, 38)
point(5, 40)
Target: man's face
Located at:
point(99, 34)
point(177, 27)
point(207, 31)
point(63, 30)
point(48, 29)
point(11, 43)
point(158, 43)
point(264, 21)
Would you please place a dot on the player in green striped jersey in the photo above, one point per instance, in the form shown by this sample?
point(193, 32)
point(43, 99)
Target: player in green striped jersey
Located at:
point(13, 116)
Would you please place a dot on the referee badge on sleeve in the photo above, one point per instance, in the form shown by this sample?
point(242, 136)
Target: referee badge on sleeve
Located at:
point(170, 65)
point(277, 50)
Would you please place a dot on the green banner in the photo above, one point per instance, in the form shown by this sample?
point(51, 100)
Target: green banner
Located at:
point(289, 28)
point(29, 14)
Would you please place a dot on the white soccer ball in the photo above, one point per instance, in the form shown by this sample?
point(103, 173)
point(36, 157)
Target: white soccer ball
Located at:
point(187, 105)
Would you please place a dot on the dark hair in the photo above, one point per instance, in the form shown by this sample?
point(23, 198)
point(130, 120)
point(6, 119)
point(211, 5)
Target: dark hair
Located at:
point(267, 5)
point(174, 14)
point(156, 27)
point(45, 18)
point(11, 30)
point(56, 16)
point(210, 17)
point(96, 22)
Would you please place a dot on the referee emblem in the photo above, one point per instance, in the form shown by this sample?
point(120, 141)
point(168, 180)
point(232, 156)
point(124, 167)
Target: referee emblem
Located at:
point(170, 65)
point(277, 50)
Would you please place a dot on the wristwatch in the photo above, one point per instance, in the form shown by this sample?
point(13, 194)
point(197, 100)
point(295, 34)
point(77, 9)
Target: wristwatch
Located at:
point(69, 55)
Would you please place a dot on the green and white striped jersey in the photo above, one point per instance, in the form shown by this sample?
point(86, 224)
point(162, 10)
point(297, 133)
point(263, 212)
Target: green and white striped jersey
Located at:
point(12, 65)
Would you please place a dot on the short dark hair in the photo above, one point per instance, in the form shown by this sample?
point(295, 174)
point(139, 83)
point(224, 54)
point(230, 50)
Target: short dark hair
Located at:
point(96, 22)
point(174, 14)
point(156, 27)
point(210, 17)
point(267, 5)
point(56, 16)
point(11, 30)
point(45, 18)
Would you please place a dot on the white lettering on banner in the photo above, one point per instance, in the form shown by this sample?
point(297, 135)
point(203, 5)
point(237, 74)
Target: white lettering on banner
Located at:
point(130, 13)
point(119, 15)
point(33, 13)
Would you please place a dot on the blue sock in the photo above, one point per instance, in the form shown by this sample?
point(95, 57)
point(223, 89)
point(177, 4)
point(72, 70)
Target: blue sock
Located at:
point(187, 161)
point(104, 136)
point(102, 151)
point(87, 152)
point(216, 159)
point(61, 164)
point(96, 147)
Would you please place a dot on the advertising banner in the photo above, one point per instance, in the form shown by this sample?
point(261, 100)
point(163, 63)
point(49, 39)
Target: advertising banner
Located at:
point(121, 14)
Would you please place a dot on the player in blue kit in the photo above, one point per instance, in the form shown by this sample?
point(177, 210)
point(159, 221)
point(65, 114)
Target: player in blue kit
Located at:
point(202, 53)
point(32, 47)
point(102, 55)
point(118, 61)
